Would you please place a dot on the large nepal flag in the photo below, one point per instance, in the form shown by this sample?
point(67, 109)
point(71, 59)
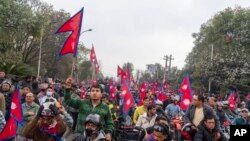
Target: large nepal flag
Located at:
point(94, 59)
point(187, 97)
point(16, 115)
point(128, 100)
point(73, 25)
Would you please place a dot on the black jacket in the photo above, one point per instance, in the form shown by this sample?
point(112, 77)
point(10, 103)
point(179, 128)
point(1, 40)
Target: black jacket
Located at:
point(189, 115)
point(204, 135)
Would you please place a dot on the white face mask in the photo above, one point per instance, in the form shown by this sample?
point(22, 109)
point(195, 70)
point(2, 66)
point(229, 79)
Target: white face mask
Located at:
point(49, 94)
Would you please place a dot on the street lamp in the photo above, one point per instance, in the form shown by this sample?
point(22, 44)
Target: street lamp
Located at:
point(85, 31)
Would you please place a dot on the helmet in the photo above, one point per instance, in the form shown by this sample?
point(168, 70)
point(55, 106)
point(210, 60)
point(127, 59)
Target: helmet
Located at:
point(47, 111)
point(93, 118)
point(187, 132)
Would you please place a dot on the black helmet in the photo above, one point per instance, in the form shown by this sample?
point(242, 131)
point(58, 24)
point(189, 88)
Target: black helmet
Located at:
point(93, 118)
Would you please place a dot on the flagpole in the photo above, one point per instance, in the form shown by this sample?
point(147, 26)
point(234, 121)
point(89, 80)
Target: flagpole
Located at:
point(40, 54)
point(73, 66)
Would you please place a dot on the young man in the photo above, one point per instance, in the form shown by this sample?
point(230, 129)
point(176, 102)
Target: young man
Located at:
point(142, 109)
point(147, 119)
point(93, 129)
point(88, 106)
point(206, 130)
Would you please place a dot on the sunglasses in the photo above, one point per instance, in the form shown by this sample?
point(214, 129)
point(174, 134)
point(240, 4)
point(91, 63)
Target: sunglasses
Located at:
point(159, 128)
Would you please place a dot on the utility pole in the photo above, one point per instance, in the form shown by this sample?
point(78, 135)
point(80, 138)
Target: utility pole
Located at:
point(166, 65)
point(169, 67)
point(212, 55)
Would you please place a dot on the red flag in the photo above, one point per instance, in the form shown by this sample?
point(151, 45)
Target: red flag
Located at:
point(162, 96)
point(74, 26)
point(142, 93)
point(112, 90)
point(187, 97)
point(16, 107)
point(119, 71)
point(93, 59)
point(231, 101)
point(9, 130)
point(128, 100)
point(83, 93)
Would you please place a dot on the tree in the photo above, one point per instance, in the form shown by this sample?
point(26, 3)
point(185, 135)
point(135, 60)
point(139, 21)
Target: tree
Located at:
point(228, 33)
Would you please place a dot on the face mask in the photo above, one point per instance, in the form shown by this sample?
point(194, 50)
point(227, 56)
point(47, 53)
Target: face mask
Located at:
point(88, 132)
point(49, 94)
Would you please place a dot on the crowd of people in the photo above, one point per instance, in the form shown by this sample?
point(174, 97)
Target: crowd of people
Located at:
point(53, 110)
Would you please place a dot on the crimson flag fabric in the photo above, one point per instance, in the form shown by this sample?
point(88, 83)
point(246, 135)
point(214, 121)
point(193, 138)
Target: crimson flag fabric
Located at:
point(121, 73)
point(231, 100)
point(187, 97)
point(16, 115)
point(112, 90)
point(73, 25)
point(9, 130)
point(16, 107)
point(93, 59)
point(128, 100)
point(83, 93)
point(142, 93)
point(162, 96)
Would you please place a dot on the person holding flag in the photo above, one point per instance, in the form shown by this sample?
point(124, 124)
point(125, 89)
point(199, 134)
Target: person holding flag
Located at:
point(88, 106)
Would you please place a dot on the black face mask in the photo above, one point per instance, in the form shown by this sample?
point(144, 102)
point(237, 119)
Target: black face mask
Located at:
point(89, 132)
point(158, 109)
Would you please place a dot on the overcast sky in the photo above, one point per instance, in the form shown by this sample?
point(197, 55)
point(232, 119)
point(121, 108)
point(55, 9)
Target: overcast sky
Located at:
point(142, 31)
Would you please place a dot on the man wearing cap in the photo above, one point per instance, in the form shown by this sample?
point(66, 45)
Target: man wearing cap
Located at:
point(243, 119)
point(6, 91)
point(88, 106)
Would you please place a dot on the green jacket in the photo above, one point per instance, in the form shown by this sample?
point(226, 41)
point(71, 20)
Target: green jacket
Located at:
point(85, 108)
point(32, 108)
